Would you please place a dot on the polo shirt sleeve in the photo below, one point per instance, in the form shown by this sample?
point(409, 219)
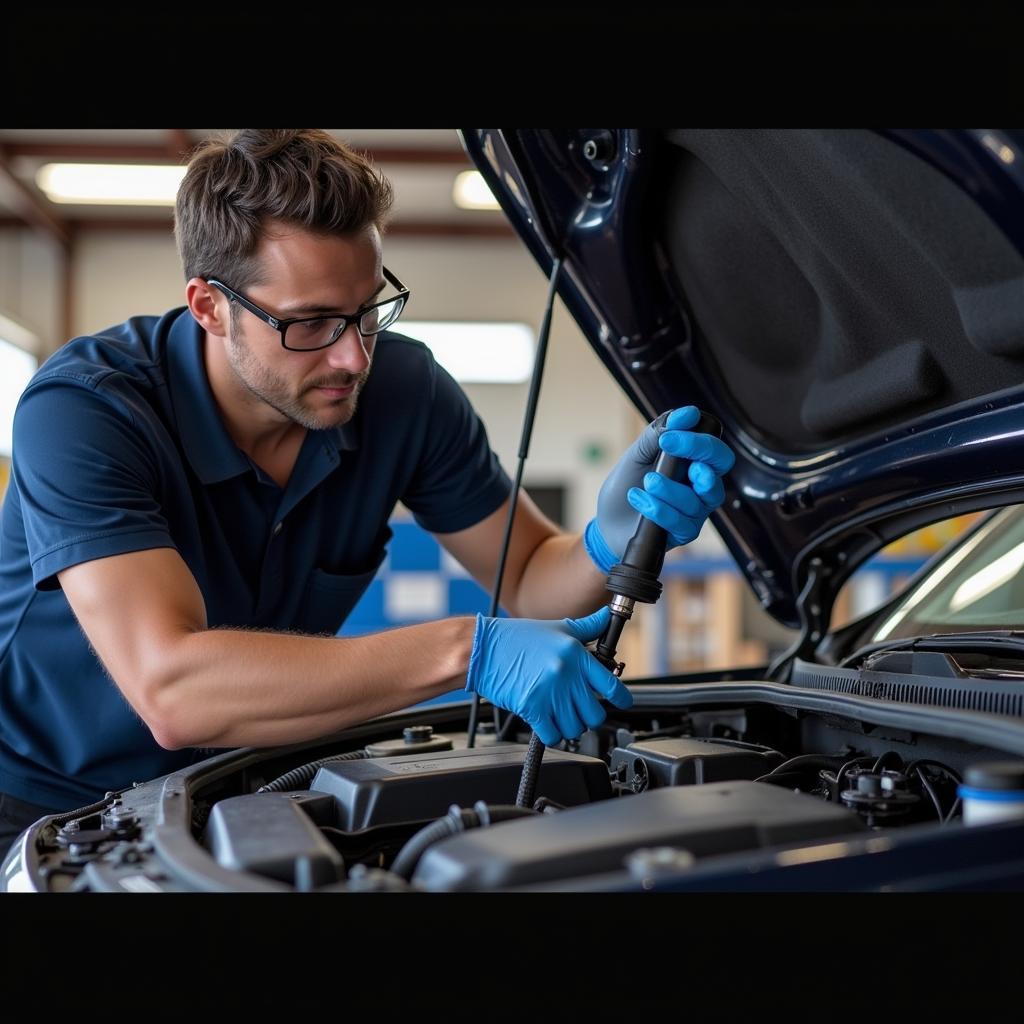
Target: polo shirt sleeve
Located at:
point(458, 480)
point(86, 479)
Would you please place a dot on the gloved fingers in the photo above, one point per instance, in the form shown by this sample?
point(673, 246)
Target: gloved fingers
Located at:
point(644, 450)
point(607, 685)
point(568, 722)
point(707, 485)
point(683, 418)
point(545, 728)
point(700, 448)
point(680, 527)
point(589, 627)
point(588, 707)
point(673, 493)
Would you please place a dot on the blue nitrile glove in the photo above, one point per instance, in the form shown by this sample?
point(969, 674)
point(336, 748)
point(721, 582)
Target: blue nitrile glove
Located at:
point(540, 670)
point(632, 487)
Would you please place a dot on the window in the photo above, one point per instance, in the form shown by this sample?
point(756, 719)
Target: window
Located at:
point(17, 364)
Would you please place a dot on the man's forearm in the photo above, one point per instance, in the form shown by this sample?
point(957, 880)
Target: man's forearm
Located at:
point(235, 688)
point(560, 580)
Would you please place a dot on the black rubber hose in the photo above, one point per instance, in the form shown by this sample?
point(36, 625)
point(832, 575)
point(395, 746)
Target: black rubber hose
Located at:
point(531, 772)
point(930, 790)
point(804, 761)
point(304, 773)
point(458, 819)
point(83, 812)
point(889, 755)
point(409, 856)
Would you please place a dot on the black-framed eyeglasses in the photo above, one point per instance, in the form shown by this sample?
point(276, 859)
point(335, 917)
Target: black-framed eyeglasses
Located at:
point(307, 333)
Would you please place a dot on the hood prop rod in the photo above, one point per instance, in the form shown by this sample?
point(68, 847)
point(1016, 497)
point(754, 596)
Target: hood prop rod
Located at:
point(524, 449)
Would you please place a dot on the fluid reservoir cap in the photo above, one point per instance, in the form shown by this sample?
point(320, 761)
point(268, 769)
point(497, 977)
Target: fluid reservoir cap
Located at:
point(993, 791)
point(410, 743)
point(1001, 775)
point(417, 733)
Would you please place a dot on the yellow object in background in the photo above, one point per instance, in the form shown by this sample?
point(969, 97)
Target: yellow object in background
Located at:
point(930, 539)
point(4, 473)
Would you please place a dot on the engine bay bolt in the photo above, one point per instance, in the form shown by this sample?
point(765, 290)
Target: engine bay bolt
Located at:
point(600, 148)
point(417, 733)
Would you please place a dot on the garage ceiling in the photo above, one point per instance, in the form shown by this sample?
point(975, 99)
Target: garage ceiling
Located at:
point(421, 163)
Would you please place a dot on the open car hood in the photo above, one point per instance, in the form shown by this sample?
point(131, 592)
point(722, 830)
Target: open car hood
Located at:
point(850, 304)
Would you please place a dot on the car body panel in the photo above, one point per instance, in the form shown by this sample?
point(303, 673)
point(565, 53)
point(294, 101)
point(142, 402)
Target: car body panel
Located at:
point(788, 502)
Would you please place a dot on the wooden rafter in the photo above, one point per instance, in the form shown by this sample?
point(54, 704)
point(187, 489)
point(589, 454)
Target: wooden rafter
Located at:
point(28, 206)
point(179, 144)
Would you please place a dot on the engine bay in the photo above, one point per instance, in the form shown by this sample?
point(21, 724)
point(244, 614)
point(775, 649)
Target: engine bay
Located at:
point(683, 797)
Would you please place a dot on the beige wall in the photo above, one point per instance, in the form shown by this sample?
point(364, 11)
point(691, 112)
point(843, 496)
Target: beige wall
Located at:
point(30, 284)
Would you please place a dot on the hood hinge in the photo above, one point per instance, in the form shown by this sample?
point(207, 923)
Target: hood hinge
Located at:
point(814, 606)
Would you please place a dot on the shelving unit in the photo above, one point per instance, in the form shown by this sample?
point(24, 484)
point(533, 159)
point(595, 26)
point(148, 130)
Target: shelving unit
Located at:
point(707, 617)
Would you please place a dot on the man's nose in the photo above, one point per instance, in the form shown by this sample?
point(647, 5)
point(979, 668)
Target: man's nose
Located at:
point(349, 353)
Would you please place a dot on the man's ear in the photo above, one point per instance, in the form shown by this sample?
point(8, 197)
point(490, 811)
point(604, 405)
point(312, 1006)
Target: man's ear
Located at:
point(208, 306)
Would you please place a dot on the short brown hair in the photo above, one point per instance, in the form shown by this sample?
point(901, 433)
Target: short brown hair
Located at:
point(299, 175)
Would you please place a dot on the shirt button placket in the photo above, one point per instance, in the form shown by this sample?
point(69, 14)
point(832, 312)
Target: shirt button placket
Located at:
point(269, 575)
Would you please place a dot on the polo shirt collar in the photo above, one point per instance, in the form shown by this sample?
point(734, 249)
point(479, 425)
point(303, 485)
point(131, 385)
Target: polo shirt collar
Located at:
point(208, 446)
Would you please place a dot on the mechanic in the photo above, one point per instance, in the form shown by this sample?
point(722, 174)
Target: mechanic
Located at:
point(198, 500)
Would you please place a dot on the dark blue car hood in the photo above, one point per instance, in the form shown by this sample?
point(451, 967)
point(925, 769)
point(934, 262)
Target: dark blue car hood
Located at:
point(849, 303)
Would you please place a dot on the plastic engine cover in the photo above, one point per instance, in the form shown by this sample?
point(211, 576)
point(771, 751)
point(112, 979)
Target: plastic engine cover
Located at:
point(419, 787)
point(705, 820)
point(684, 761)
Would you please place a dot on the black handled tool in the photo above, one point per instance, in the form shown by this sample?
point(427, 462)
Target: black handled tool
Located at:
point(635, 578)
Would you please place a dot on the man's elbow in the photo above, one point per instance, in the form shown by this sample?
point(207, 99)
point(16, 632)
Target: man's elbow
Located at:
point(159, 703)
point(169, 728)
point(167, 737)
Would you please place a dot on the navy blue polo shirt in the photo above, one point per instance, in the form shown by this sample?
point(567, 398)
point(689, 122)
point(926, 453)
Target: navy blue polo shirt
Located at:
point(119, 446)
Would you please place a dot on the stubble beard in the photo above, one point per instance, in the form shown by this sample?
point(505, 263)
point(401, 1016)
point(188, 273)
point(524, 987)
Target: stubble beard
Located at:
point(267, 386)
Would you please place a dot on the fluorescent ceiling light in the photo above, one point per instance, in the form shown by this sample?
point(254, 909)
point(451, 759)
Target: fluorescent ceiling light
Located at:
point(471, 192)
point(111, 184)
point(16, 369)
point(477, 353)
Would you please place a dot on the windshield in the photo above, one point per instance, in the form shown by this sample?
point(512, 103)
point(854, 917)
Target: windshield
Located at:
point(979, 586)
